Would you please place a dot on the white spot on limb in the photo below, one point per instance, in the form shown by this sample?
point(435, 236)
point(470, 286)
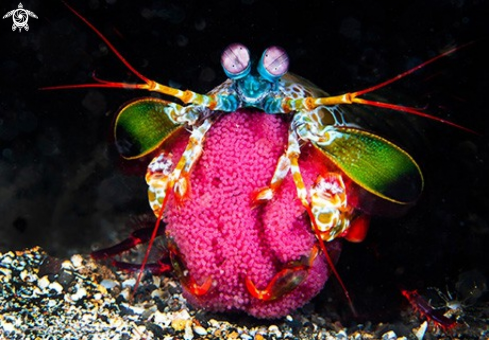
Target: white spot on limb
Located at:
point(309, 129)
point(157, 177)
point(161, 164)
point(329, 206)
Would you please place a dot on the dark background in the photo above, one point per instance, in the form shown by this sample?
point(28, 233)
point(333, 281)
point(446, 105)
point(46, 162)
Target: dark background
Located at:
point(63, 186)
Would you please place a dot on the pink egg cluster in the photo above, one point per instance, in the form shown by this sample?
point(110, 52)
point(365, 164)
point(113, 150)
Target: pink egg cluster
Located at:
point(222, 236)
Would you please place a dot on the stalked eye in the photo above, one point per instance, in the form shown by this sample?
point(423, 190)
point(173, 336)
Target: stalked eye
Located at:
point(274, 63)
point(235, 61)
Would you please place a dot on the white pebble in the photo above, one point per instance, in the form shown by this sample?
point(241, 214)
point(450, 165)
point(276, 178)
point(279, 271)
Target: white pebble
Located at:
point(77, 260)
point(183, 315)
point(51, 303)
point(116, 322)
point(108, 284)
point(421, 330)
point(8, 258)
point(162, 318)
point(135, 309)
point(98, 296)
point(80, 294)
point(199, 330)
point(390, 335)
point(274, 330)
point(67, 264)
point(156, 280)
point(262, 330)
point(56, 286)
point(36, 292)
point(129, 283)
point(188, 335)
point(6, 274)
point(43, 282)
point(8, 327)
point(88, 318)
point(138, 331)
point(27, 276)
point(214, 323)
point(157, 293)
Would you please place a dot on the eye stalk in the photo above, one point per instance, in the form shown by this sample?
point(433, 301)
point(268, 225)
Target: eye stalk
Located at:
point(235, 61)
point(273, 64)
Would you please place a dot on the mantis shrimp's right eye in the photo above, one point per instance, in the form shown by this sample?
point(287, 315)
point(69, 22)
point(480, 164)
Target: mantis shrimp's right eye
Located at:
point(273, 64)
point(235, 61)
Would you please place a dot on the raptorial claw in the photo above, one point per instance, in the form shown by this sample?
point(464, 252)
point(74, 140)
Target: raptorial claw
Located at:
point(196, 289)
point(261, 196)
point(265, 194)
point(282, 283)
point(181, 188)
point(182, 273)
point(285, 281)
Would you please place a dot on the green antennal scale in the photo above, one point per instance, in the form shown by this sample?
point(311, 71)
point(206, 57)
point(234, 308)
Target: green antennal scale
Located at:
point(143, 125)
point(375, 164)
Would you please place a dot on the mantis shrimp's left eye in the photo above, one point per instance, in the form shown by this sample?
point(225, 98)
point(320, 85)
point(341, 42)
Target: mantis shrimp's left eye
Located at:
point(235, 61)
point(274, 63)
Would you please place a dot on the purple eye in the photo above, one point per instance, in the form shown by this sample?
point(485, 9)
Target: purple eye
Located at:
point(274, 63)
point(235, 61)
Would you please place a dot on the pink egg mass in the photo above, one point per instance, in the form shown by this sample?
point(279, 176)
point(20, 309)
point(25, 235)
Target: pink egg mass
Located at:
point(222, 237)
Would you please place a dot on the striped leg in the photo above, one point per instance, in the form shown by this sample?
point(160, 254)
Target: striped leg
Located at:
point(293, 153)
point(288, 161)
point(179, 178)
point(265, 194)
point(161, 179)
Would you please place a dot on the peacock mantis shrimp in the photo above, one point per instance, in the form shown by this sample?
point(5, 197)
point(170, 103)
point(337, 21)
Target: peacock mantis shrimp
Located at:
point(323, 171)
